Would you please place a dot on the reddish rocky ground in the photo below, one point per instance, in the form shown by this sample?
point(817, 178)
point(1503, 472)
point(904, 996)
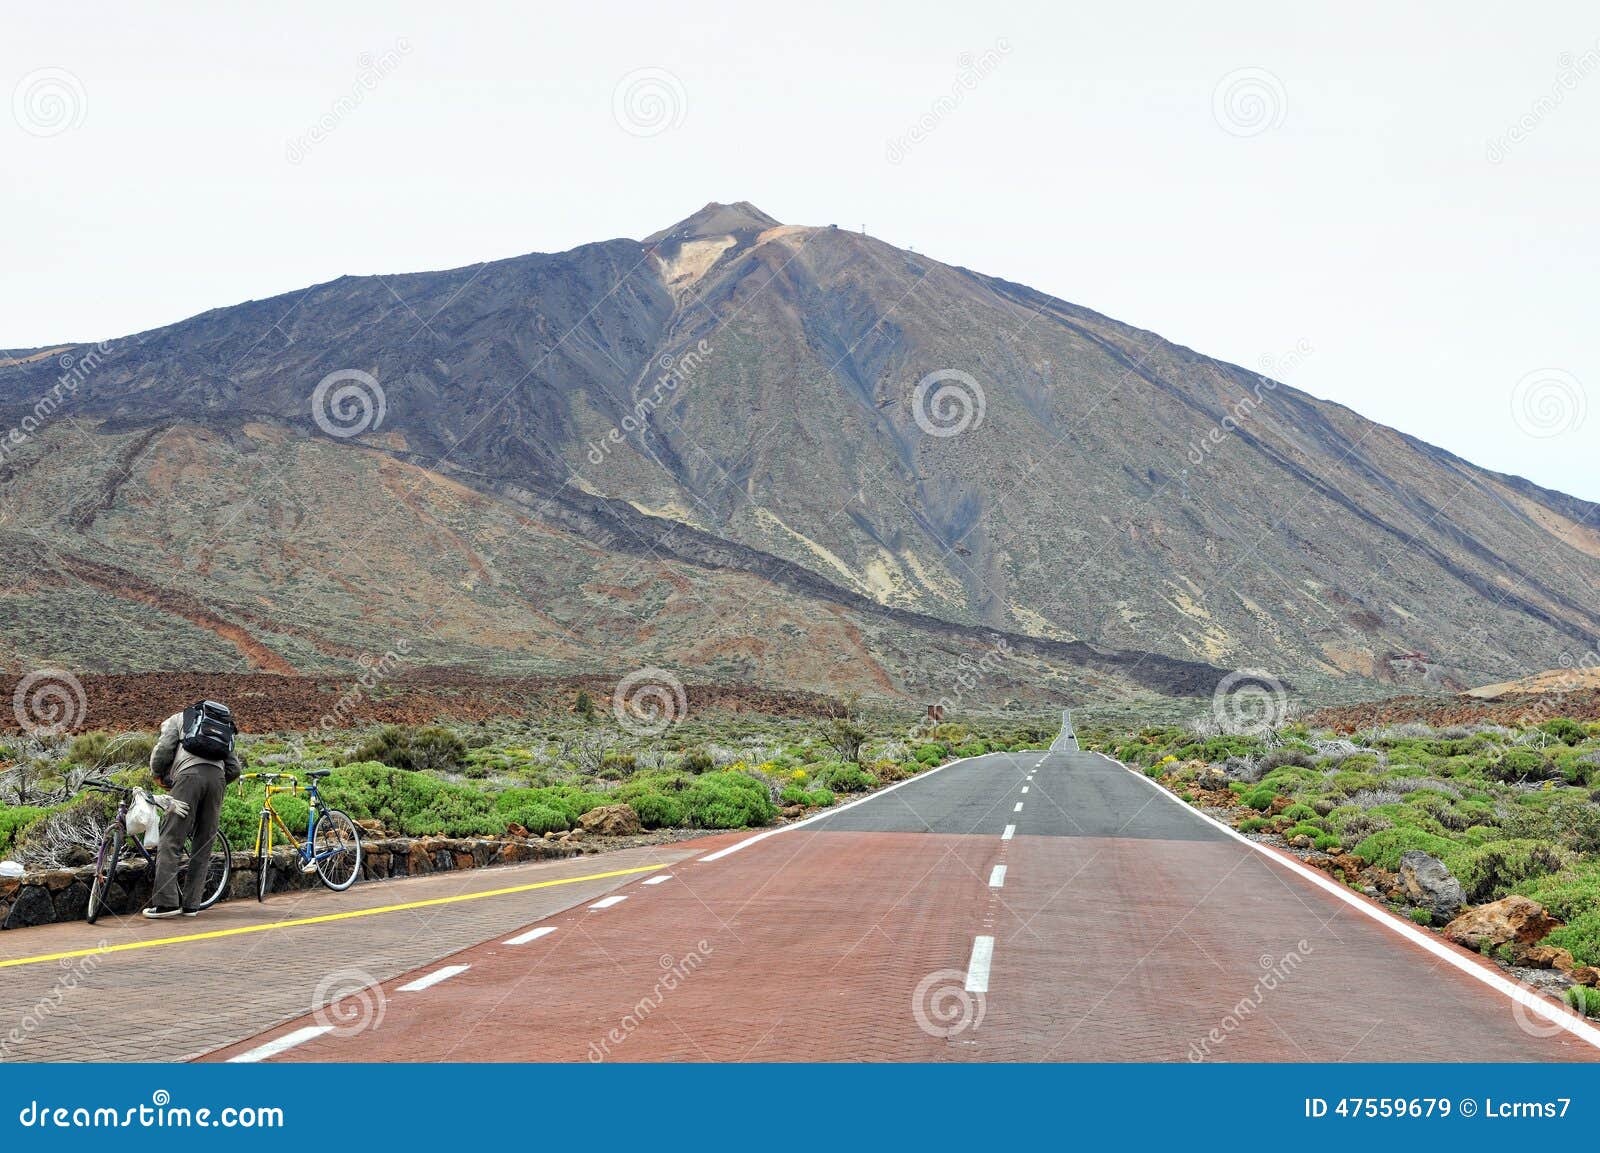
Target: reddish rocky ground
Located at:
point(1513, 709)
point(267, 702)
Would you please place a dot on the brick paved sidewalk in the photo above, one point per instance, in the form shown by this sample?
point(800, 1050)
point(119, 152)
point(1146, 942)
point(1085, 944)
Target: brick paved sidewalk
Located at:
point(172, 1002)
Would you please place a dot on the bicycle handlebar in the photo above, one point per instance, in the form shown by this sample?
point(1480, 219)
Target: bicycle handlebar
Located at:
point(103, 784)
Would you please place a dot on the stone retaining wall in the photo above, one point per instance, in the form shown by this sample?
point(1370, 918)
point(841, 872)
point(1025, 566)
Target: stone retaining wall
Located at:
point(63, 894)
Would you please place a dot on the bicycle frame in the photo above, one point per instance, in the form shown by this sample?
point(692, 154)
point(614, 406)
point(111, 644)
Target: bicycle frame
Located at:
point(271, 819)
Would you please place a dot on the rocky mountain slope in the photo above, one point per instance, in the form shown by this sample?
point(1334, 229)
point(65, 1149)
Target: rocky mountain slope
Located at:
point(790, 454)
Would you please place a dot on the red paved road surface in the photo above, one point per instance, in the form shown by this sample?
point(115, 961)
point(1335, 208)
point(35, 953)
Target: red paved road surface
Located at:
point(1125, 929)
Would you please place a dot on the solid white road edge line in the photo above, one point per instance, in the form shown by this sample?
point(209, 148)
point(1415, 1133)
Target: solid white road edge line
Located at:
point(1537, 1002)
point(748, 841)
point(531, 935)
point(997, 879)
point(978, 966)
point(433, 978)
point(607, 902)
point(285, 1042)
point(1011, 831)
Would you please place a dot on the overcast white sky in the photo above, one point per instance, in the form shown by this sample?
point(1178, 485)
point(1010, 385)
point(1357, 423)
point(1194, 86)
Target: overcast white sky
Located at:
point(1370, 209)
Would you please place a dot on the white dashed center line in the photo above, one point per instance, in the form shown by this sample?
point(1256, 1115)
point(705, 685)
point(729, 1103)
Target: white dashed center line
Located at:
point(1018, 809)
point(273, 1048)
point(531, 935)
point(978, 966)
point(1024, 788)
point(656, 880)
point(433, 978)
point(607, 902)
point(1011, 831)
point(998, 877)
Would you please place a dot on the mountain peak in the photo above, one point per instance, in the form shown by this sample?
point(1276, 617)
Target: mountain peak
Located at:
point(739, 219)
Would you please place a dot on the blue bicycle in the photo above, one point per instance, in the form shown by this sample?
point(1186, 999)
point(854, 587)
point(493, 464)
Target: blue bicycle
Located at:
point(332, 848)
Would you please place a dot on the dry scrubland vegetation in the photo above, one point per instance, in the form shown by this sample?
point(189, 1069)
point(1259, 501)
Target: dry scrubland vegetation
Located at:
point(510, 776)
point(1509, 810)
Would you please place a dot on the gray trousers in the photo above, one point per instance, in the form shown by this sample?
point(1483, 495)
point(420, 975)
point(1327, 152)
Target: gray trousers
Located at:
point(202, 787)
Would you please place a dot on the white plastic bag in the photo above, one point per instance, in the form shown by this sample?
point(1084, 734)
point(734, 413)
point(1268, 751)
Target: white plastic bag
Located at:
point(144, 820)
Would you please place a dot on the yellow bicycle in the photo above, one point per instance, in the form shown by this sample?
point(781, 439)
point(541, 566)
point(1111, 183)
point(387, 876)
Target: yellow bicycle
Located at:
point(332, 847)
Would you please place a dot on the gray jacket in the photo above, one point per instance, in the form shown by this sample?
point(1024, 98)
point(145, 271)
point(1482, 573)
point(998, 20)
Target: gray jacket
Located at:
point(169, 755)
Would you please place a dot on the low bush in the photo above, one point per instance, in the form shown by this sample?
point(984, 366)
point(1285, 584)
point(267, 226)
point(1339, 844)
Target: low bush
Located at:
point(1384, 849)
point(659, 810)
point(1584, 999)
point(843, 777)
point(14, 819)
point(728, 801)
point(1493, 870)
point(416, 750)
point(412, 803)
point(1252, 825)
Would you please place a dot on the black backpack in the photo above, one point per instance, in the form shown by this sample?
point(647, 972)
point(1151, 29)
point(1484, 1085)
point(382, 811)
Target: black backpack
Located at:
point(208, 730)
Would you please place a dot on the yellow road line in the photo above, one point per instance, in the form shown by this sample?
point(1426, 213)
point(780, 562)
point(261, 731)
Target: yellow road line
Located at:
point(320, 919)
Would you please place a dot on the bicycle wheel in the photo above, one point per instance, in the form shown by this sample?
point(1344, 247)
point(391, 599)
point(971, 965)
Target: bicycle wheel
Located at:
point(336, 850)
point(105, 871)
point(218, 864)
point(219, 872)
point(263, 857)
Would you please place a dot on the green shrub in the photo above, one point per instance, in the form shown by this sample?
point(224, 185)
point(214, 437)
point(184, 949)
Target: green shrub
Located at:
point(1384, 849)
point(1300, 813)
point(697, 761)
point(1584, 999)
point(1252, 825)
point(412, 803)
point(1493, 870)
point(728, 801)
point(972, 749)
point(1303, 831)
point(659, 810)
point(433, 748)
point(1421, 917)
point(930, 754)
point(14, 819)
point(535, 817)
point(844, 777)
point(1565, 729)
point(1260, 798)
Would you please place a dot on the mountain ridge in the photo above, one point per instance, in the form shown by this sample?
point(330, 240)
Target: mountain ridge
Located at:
point(769, 371)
